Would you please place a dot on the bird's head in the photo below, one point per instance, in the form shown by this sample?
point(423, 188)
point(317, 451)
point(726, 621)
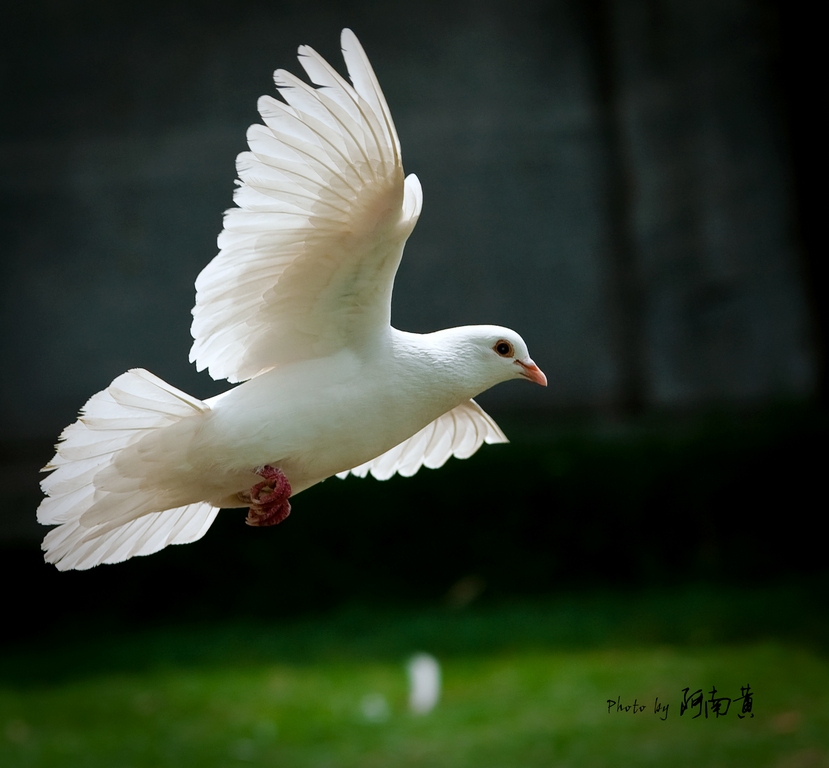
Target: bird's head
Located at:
point(507, 352)
point(498, 354)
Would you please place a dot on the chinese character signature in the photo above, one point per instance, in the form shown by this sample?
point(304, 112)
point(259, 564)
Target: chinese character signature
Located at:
point(714, 706)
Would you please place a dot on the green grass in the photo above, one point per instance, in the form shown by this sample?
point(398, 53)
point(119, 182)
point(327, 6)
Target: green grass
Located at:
point(524, 685)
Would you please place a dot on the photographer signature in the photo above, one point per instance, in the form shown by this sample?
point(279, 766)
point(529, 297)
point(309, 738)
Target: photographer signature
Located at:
point(714, 706)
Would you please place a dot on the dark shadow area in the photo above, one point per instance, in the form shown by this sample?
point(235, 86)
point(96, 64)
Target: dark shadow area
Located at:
point(659, 503)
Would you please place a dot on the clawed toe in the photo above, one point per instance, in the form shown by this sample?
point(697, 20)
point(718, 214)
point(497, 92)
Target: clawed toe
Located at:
point(268, 499)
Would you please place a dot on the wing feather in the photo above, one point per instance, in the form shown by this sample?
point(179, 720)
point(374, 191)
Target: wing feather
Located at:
point(459, 432)
point(308, 257)
point(365, 83)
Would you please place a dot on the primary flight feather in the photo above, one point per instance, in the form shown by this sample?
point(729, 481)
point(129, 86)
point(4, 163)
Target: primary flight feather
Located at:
point(296, 305)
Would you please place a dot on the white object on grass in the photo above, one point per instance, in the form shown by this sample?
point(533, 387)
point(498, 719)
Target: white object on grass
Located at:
point(375, 708)
point(424, 683)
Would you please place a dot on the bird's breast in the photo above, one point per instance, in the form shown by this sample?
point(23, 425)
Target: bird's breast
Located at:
point(318, 418)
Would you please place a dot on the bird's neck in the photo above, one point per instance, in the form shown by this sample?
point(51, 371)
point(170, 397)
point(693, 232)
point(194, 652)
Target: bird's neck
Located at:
point(436, 363)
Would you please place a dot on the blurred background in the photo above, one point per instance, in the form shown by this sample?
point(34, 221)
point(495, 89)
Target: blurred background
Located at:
point(633, 185)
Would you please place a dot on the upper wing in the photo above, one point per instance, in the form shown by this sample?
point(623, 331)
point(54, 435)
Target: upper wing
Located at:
point(459, 432)
point(307, 260)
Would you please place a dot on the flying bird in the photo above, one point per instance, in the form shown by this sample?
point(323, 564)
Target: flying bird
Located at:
point(297, 306)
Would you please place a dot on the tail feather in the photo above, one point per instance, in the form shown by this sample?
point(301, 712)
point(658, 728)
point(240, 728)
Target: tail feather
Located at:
point(107, 522)
point(68, 548)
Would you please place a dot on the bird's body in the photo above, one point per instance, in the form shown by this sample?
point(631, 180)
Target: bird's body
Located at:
point(297, 306)
point(335, 413)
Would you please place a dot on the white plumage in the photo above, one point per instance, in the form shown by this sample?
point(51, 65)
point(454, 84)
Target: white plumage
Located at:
point(296, 305)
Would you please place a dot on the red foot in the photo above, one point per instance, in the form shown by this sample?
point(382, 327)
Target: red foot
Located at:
point(269, 499)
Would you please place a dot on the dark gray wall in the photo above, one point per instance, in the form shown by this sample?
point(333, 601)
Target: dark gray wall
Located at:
point(611, 179)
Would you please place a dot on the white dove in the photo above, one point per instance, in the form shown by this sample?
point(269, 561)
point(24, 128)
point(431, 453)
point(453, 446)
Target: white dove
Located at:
point(296, 305)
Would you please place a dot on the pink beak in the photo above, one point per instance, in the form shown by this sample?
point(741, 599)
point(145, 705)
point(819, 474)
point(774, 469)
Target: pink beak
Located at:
point(531, 371)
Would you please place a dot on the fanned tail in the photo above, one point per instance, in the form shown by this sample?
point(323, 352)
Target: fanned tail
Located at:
point(102, 523)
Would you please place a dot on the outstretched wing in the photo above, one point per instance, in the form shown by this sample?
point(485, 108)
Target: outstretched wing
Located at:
point(307, 260)
point(459, 432)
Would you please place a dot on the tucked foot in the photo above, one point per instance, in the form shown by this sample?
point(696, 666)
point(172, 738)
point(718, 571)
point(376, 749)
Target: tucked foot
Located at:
point(268, 499)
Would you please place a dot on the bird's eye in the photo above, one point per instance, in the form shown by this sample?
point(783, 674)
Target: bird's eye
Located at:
point(504, 348)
